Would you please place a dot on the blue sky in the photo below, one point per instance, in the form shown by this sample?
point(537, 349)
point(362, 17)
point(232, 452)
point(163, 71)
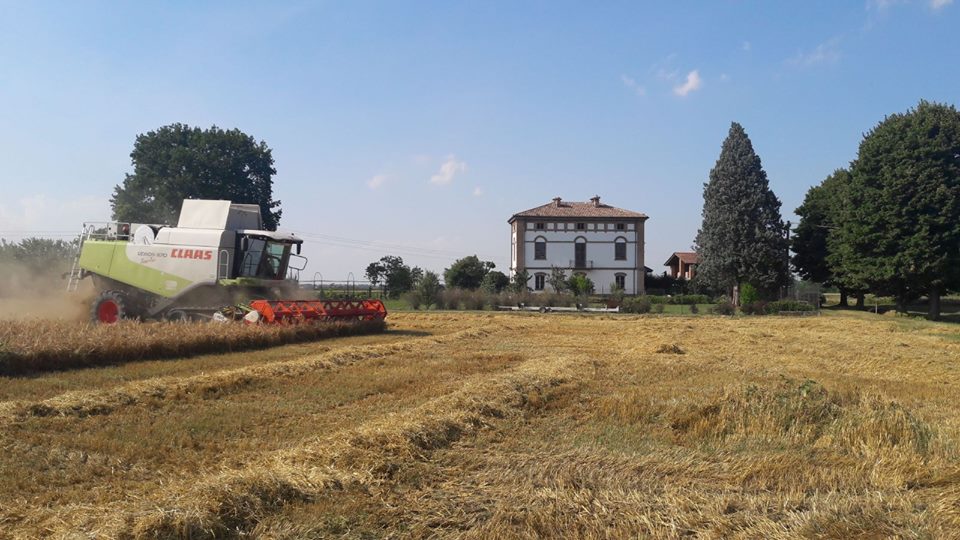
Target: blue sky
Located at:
point(418, 128)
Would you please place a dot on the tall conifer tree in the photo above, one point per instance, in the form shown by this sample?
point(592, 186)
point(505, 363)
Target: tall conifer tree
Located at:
point(743, 238)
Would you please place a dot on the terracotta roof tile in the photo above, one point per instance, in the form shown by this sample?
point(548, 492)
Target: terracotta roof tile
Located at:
point(572, 209)
point(688, 257)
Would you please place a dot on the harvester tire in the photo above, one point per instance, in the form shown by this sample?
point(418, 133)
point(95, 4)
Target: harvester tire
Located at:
point(111, 306)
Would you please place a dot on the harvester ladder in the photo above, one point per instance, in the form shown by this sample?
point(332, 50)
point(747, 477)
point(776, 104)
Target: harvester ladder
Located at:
point(76, 272)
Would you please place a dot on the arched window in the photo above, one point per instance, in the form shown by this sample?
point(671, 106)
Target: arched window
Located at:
point(580, 252)
point(539, 280)
point(540, 248)
point(620, 249)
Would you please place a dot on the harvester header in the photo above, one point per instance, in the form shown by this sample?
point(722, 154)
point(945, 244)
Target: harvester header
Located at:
point(217, 256)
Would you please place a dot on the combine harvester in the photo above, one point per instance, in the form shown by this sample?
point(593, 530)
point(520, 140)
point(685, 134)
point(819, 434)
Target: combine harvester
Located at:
point(216, 264)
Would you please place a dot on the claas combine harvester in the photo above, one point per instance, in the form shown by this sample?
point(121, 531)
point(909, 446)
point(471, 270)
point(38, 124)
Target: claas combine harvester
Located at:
point(216, 264)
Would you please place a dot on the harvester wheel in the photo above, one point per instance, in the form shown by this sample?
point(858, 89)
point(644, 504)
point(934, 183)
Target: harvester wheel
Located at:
point(110, 307)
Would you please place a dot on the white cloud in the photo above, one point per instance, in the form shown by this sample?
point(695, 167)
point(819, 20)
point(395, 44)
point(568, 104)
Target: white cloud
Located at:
point(827, 52)
point(377, 181)
point(664, 68)
point(448, 170)
point(692, 83)
point(633, 85)
point(665, 74)
point(937, 4)
point(477, 192)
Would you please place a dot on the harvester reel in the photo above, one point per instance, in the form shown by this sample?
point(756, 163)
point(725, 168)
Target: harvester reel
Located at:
point(111, 306)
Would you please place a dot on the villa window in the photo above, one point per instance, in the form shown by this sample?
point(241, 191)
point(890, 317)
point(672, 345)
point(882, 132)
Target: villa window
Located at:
point(539, 226)
point(540, 249)
point(620, 250)
point(581, 226)
point(621, 280)
point(538, 281)
point(621, 226)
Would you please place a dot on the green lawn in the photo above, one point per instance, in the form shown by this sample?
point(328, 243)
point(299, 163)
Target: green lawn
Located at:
point(949, 306)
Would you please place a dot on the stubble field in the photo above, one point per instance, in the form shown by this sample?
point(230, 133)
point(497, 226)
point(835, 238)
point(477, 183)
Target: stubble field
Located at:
point(483, 425)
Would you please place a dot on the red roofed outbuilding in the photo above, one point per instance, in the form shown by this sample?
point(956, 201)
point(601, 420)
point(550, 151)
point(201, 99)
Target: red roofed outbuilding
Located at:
point(683, 264)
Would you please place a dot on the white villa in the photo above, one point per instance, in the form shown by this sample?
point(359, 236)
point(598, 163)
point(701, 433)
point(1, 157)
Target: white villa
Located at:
point(597, 240)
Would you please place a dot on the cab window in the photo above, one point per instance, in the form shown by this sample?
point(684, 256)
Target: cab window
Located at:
point(264, 259)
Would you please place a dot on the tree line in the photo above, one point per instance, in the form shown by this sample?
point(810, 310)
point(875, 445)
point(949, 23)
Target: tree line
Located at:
point(888, 223)
point(34, 265)
point(468, 273)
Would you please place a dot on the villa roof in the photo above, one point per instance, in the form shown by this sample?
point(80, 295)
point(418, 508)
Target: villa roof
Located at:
point(571, 209)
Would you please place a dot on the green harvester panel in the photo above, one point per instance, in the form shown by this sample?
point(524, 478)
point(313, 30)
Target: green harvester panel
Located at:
point(109, 259)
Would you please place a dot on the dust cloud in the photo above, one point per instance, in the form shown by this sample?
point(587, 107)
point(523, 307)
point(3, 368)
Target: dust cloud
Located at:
point(28, 294)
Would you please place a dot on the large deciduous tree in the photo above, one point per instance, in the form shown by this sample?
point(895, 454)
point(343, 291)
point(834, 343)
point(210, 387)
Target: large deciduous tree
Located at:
point(467, 273)
point(743, 238)
point(817, 255)
point(494, 282)
point(900, 228)
point(397, 277)
point(179, 162)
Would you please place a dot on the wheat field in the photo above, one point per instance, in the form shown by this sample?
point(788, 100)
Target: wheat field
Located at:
point(486, 425)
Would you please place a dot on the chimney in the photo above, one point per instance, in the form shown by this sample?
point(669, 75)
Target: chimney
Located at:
point(596, 201)
point(556, 202)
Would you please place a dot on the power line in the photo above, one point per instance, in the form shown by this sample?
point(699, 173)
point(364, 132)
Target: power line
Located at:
point(18, 231)
point(323, 239)
point(352, 242)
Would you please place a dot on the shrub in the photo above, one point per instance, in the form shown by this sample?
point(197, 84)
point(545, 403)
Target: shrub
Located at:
point(519, 282)
point(658, 308)
point(580, 285)
point(723, 307)
point(757, 307)
point(637, 304)
point(544, 300)
point(413, 299)
point(557, 279)
point(615, 298)
point(450, 298)
point(789, 305)
point(685, 299)
point(511, 298)
point(475, 300)
point(690, 299)
point(748, 294)
point(428, 289)
point(694, 309)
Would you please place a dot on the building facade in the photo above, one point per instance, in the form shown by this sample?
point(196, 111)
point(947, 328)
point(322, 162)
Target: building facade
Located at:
point(600, 241)
point(683, 264)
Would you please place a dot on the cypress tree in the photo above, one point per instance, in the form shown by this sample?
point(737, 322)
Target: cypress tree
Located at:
point(743, 238)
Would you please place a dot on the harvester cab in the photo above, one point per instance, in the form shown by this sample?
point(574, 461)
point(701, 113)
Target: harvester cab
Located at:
point(217, 256)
